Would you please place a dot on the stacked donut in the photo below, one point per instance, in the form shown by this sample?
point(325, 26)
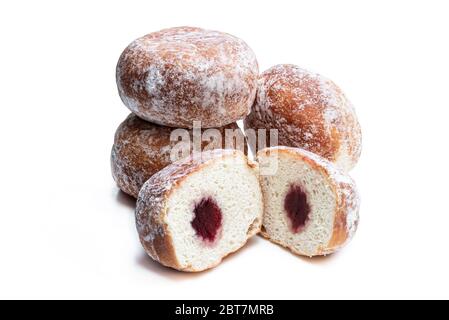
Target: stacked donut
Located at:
point(183, 156)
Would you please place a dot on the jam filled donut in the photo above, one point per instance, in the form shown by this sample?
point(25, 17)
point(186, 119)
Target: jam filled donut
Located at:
point(310, 206)
point(179, 75)
point(198, 210)
point(142, 148)
point(309, 112)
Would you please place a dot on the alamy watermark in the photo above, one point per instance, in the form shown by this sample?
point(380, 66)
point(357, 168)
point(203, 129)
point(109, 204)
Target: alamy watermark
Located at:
point(184, 142)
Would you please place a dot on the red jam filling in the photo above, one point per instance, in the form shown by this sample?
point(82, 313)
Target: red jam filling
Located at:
point(207, 219)
point(297, 208)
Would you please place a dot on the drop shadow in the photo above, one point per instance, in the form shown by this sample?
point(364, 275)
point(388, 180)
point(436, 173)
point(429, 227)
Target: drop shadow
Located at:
point(125, 200)
point(320, 260)
point(146, 262)
point(317, 260)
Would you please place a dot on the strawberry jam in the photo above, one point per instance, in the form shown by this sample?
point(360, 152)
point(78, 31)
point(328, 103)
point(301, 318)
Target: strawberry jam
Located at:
point(207, 219)
point(297, 208)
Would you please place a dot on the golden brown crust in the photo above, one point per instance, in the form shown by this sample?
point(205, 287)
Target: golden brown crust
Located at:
point(151, 206)
point(347, 199)
point(162, 250)
point(309, 111)
point(346, 218)
point(141, 149)
point(176, 76)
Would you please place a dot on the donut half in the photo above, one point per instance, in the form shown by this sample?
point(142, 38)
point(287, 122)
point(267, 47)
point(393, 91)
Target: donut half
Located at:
point(198, 210)
point(310, 206)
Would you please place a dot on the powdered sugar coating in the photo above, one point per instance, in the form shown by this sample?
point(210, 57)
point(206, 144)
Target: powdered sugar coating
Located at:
point(142, 148)
point(179, 75)
point(309, 111)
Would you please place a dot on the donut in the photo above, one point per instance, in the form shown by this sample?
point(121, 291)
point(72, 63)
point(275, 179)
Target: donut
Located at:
point(309, 112)
point(196, 211)
point(179, 75)
point(142, 148)
point(311, 206)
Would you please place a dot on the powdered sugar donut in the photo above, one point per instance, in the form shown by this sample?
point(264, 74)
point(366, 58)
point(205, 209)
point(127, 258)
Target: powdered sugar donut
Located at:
point(178, 75)
point(310, 112)
point(196, 211)
point(142, 148)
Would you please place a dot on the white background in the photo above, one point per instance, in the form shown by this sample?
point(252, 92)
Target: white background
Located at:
point(67, 232)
